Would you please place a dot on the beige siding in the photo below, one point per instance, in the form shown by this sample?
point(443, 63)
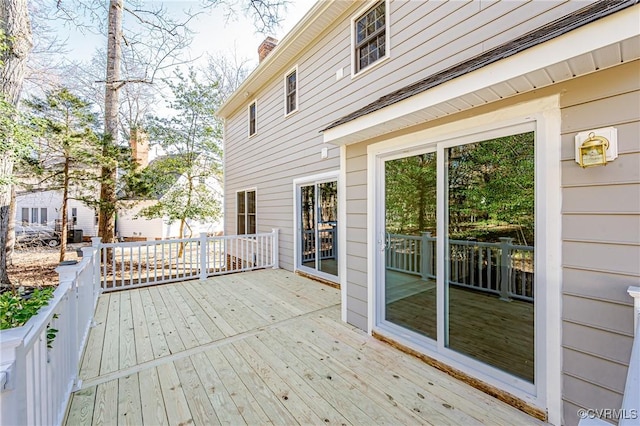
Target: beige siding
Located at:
point(425, 37)
point(600, 233)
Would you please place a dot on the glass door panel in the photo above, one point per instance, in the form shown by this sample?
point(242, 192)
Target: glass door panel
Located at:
point(308, 226)
point(319, 226)
point(490, 244)
point(327, 241)
point(410, 246)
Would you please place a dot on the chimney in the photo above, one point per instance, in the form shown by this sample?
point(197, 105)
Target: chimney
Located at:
point(266, 47)
point(140, 147)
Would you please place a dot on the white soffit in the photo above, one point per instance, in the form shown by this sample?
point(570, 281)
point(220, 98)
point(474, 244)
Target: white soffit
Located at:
point(608, 42)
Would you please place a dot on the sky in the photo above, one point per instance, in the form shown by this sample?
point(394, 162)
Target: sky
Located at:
point(215, 34)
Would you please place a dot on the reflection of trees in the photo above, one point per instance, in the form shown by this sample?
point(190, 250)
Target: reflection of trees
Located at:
point(491, 189)
point(307, 197)
point(490, 186)
point(411, 194)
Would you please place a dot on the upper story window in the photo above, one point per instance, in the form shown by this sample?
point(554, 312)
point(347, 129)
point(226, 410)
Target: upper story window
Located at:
point(253, 118)
point(291, 91)
point(370, 36)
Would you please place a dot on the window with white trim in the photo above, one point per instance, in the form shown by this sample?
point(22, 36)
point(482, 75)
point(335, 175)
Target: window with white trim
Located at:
point(252, 116)
point(246, 208)
point(291, 91)
point(370, 36)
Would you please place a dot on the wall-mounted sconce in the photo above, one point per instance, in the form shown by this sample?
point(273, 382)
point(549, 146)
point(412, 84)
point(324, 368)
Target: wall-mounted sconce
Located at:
point(596, 147)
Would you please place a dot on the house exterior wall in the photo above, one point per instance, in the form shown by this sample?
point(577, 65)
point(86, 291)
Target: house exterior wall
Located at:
point(52, 201)
point(600, 234)
point(128, 226)
point(426, 37)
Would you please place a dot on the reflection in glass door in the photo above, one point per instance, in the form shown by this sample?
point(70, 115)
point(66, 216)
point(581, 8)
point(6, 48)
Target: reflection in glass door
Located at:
point(410, 229)
point(490, 247)
point(318, 227)
point(479, 289)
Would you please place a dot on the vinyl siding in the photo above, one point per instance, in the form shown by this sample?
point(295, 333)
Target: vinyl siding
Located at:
point(600, 234)
point(426, 37)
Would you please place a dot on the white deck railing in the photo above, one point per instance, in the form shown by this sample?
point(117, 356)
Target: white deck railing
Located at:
point(143, 263)
point(39, 371)
point(631, 399)
point(500, 268)
point(327, 244)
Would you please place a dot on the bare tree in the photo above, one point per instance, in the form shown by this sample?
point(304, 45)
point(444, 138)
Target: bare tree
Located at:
point(16, 27)
point(153, 42)
point(226, 71)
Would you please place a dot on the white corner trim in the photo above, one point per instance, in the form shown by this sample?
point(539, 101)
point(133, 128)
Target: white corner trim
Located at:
point(342, 231)
point(604, 32)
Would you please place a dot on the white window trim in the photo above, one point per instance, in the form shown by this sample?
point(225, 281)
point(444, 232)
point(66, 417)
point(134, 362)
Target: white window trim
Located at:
point(249, 134)
point(315, 179)
point(254, 189)
point(287, 74)
point(545, 115)
point(387, 34)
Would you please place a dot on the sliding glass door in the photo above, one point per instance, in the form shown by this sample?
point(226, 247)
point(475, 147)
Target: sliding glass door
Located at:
point(470, 295)
point(318, 226)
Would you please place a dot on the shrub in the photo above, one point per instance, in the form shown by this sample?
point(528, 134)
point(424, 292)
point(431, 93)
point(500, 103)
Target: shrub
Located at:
point(15, 310)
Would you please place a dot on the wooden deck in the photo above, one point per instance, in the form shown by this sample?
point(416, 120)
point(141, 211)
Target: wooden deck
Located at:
point(256, 348)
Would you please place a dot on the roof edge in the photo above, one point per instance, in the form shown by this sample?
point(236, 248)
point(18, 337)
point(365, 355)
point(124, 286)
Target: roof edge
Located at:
point(262, 70)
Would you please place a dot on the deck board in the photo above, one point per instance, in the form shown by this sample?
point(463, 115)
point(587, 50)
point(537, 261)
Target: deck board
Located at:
point(265, 347)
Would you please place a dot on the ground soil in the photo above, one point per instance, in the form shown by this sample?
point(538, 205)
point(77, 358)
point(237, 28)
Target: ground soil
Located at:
point(35, 266)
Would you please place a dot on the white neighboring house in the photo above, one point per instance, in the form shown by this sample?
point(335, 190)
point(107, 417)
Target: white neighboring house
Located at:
point(43, 208)
point(129, 226)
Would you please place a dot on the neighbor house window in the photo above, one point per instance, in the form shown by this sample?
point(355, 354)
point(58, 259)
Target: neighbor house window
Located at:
point(370, 36)
point(34, 215)
point(43, 215)
point(252, 118)
point(74, 215)
point(25, 215)
point(246, 207)
point(291, 91)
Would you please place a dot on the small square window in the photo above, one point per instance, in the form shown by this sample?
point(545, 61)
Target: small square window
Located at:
point(370, 36)
point(291, 91)
point(252, 118)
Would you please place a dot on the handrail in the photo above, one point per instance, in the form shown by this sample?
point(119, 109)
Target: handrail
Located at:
point(631, 399)
point(143, 263)
point(39, 371)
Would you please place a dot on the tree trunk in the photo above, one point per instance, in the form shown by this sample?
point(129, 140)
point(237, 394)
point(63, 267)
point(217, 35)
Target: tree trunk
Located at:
point(11, 229)
point(106, 225)
point(14, 21)
point(65, 215)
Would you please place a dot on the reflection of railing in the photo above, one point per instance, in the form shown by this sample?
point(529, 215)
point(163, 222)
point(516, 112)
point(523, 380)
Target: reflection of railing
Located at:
point(501, 268)
point(327, 243)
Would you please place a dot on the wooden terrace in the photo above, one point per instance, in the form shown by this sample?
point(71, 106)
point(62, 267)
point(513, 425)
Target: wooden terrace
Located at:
point(257, 348)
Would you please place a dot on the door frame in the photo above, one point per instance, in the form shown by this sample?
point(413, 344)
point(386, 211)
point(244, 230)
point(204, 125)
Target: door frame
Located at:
point(297, 243)
point(544, 117)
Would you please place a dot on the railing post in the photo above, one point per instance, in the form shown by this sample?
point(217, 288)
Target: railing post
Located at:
point(505, 267)
point(274, 248)
point(13, 367)
point(635, 293)
point(204, 253)
point(96, 243)
point(425, 256)
point(69, 273)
